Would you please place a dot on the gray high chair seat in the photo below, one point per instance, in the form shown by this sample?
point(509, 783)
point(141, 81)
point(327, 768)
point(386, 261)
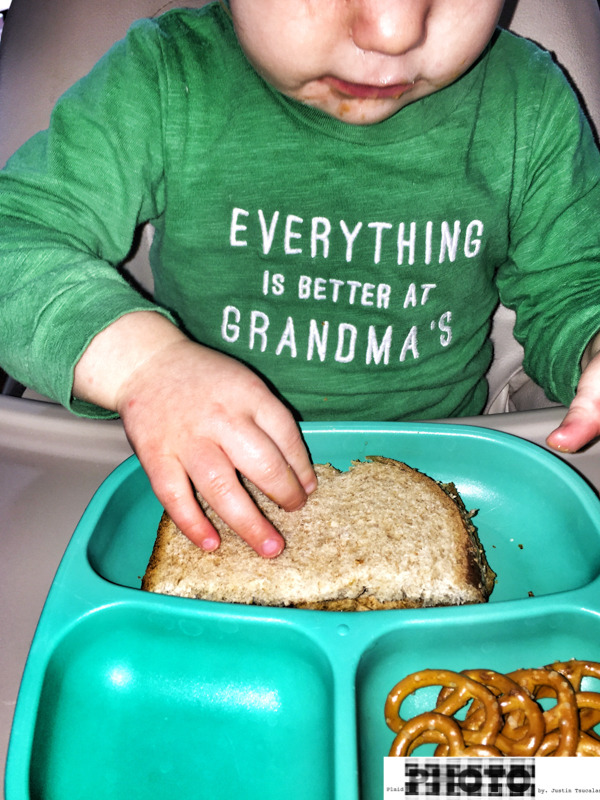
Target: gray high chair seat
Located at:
point(48, 44)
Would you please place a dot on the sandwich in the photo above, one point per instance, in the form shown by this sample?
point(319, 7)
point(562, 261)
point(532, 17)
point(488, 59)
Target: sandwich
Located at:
point(378, 536)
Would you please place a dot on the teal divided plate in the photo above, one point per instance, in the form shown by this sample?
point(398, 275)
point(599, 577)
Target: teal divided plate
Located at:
point(128, 695)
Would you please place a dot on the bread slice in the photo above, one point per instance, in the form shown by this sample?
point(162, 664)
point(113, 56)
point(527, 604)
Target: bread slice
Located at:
point(381, 535)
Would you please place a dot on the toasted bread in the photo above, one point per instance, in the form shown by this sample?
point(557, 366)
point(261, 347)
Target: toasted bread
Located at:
point(381, 535)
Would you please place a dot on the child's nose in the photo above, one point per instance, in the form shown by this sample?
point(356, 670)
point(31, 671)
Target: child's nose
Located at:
point(388, 26)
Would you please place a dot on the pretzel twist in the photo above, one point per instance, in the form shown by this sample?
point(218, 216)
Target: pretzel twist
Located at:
point(575, 671)
point(523, 728)
point(544, 682)
point(465, 690)
point(433, 727)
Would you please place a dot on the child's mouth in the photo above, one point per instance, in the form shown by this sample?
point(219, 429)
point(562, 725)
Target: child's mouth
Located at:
point(368, 91)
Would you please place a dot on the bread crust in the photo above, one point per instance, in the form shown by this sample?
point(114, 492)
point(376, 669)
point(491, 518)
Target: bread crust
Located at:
point(379, 536)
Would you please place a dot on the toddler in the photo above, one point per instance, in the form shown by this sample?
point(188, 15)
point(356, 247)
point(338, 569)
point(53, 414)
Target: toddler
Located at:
point(341, 194)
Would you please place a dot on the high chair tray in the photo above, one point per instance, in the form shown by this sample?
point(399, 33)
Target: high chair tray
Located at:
point(128, 694)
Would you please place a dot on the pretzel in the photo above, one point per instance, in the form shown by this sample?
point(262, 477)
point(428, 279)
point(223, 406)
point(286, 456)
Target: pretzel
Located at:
point(502, 716)
point(523, 728)
point(588, 705)
point(575, 671)
point(543, 681)
point(588, 745)
point(465, 690)
point(434, 727)
point(549, 744)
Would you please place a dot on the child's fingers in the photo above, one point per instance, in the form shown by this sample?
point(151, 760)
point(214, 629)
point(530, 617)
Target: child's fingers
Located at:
point(578, 428)
point(173, 489)
point(285, 434)
point(582, 421)
point(217, 482)
point(255, 454)
point(216, 479)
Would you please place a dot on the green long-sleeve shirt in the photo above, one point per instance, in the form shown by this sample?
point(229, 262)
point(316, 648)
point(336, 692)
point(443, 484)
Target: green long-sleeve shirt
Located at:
point(356, 268)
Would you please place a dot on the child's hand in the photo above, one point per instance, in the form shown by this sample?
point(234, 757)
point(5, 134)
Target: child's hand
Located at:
point(194, 416)
point(582, 422)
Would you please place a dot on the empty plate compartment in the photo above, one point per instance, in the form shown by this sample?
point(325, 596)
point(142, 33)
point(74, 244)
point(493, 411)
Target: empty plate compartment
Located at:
point(148, 704)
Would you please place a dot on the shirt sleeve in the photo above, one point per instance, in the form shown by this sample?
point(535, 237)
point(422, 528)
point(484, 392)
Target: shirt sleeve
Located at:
point(71, 200)
point(552, 276)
